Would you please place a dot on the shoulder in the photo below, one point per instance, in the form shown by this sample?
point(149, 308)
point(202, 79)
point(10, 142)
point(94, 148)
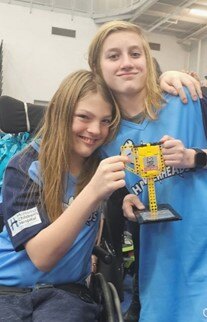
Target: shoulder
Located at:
point(175, 101)
point(176, 98)
point(23, 160)
point(17, 170)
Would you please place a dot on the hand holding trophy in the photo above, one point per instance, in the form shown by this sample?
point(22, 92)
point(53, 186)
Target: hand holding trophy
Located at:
point(149, 163)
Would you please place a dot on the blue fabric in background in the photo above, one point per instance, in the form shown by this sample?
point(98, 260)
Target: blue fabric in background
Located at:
point(10, 144)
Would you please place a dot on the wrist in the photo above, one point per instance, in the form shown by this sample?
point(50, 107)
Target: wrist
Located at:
point(93, 194)
point(190, 159)
point(200, 158)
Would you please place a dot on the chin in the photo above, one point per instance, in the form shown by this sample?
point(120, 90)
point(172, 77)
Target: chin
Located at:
point(130, 91)
point(86, 154)
point(134, 90)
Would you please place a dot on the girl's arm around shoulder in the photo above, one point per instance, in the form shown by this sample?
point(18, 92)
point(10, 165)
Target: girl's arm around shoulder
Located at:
point(173, 81)
point(53, 242)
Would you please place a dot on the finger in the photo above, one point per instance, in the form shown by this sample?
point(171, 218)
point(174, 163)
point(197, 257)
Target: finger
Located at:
point(165, 138)
point(167, 150)
point(114, 167)
point(173, 163)
point(173, 146)
point(119, 184)
point(112, 164)
point(129, 213)
point(194, 88)
point(138, 204)
point(172, 154)
point(131, 202)
point(132, 212)
point(172, 157)
point(169, 156)
point(182, 94)
point(198, 90)
point(130, 217)
point(118, 175)
point(170, 144)
point(169, 88)
point(191, 83)
point(117, 158)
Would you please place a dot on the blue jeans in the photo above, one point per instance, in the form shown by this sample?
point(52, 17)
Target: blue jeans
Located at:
point(48, 304)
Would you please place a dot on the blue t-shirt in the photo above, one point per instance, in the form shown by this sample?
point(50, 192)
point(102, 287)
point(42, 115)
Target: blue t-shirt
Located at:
point(173, 255)
point(24, 217)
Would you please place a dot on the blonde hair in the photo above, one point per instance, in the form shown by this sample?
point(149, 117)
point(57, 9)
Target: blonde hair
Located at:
point(55, 147)
point(153, 98)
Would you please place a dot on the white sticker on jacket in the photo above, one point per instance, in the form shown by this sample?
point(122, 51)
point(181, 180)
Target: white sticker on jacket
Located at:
point(24, 219)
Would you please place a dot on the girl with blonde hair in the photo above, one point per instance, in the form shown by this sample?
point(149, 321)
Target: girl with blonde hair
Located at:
point(168, 272)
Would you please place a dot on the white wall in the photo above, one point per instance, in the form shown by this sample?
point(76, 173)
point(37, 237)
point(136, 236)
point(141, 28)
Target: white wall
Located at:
point(34, 60)
point(171, 56)
point(198, 57)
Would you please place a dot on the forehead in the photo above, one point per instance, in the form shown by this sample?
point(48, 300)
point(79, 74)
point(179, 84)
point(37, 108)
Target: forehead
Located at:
point(120, 39)
point(94, 103)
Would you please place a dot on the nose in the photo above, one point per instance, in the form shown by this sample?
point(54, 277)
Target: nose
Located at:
point(126, 61)
point(94, 128)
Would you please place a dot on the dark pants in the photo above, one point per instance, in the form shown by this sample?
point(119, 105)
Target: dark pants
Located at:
point(48, 304)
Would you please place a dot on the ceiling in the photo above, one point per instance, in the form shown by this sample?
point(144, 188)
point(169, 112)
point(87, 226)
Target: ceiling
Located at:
point(171, 17)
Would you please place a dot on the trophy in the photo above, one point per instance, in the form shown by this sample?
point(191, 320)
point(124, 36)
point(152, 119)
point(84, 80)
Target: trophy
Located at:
point(148, 164)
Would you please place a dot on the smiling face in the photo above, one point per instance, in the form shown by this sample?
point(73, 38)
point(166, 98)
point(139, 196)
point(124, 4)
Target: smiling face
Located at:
point(90, 126)
point(123, 64)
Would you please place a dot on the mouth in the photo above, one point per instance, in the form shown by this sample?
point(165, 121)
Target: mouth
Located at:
point(88, 140)
point(125, 74)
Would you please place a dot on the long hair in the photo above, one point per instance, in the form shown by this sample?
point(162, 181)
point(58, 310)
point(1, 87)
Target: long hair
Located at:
point(153, 98)
point(56, 146)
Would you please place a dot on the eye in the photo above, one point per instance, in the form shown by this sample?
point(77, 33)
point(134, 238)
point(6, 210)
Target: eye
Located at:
point(113, 56)
point(82, 117)
point(135, 54)
point(106, 122)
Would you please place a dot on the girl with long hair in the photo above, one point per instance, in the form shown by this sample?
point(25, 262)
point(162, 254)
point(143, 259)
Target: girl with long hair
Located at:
point(172, 256)
point(52, 195)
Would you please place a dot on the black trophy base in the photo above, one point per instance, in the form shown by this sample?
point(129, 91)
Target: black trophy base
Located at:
point(164, 213)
